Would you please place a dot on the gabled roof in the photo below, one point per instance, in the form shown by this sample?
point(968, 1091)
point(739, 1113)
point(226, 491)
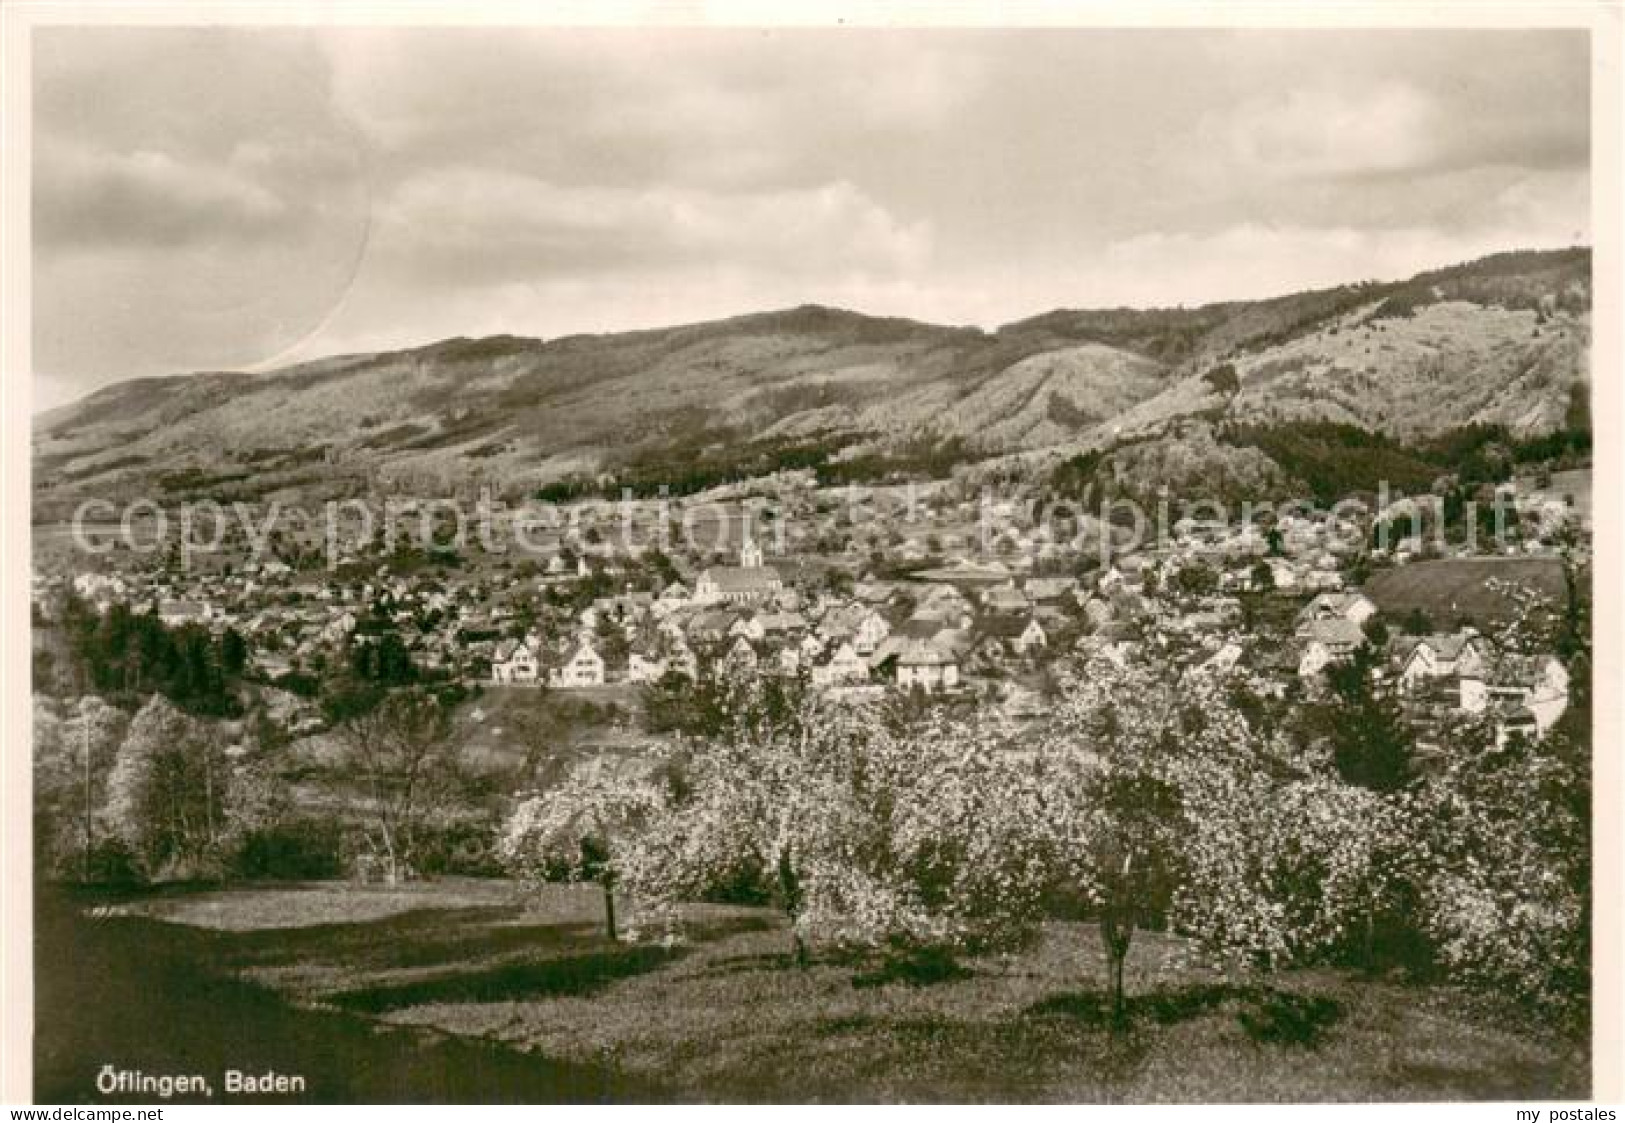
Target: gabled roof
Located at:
point(873, 592)
point(717, 620)
point(781, 621)
point(921, 654)
point(1050, 588)
point(1445, 645)
point(1334, 633)
point(585, 647)
point(743, 579)
point(1005, 627)
point(920, 628)
point(1005, 598)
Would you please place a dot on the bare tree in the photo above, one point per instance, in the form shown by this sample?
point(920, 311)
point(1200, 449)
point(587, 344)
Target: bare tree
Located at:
point(400, 752)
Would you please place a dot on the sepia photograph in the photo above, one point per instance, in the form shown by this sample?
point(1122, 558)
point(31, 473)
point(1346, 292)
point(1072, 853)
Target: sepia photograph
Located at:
point(661, 563)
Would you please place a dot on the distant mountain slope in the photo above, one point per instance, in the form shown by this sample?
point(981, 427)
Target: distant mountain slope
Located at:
point(1503, 339)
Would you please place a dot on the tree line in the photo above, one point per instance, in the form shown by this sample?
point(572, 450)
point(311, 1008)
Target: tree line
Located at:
point(126, 654)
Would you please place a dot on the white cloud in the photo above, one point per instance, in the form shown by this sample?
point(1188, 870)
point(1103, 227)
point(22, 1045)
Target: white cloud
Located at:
point(1330, 132)
point(500, 224)
point(147, 196)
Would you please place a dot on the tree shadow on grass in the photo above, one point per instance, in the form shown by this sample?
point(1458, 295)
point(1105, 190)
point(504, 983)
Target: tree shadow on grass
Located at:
point(918, 969)
point(419, 938)
point(1266, 1015)
point(566, 975)
point(590, 966)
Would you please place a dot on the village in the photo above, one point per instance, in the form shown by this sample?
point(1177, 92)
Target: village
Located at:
point(917, 595)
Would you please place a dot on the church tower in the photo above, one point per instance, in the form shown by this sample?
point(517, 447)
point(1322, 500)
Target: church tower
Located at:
point(750, 554)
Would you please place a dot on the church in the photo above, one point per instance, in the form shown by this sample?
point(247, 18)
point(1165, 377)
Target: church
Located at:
point(749, 582)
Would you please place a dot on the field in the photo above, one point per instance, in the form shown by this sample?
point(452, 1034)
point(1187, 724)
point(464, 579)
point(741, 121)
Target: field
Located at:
point(1464, 590)
point(518, 987)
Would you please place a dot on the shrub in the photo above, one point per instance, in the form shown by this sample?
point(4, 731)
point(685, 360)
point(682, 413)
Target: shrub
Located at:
point(300, 849)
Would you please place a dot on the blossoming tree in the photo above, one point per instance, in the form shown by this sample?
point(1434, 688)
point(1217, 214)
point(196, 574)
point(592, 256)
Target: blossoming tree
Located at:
point(585, 829)
point(863, 829)
point(1167, 807)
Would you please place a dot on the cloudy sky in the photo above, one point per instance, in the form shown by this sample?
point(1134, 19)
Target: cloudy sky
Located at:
point(225, 199)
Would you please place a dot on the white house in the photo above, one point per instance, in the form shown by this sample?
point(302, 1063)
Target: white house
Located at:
point(741, 656)
point(1424, 659)
point(1222, 661)
point(845, 666)
point(750, 627)
point(673, 597)
point(925, 665)
point(1534, 688)
point(871, 632)
point(584, 668)
point(515, 663)
point(644, 668)
point(1353, 606)
point(1326, 642)
point(1020, 636)
point(176, 612)
point(1283, 573)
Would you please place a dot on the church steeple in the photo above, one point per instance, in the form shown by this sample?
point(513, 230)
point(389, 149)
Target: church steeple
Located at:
point(750, 554)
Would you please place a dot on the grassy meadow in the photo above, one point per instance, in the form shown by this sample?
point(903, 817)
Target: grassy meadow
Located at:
point(526, 974)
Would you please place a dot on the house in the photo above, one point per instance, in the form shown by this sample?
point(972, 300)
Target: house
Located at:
point(741, 657)
point(926, 666)
point(100, 587)
point(645, 667)
point(789, 660)
point(840, 623)
point(873, 592)
point(870, 633)
point(844, 666)
point(1222, 661)
point(679, 658)
point(1323, 578)
point(1005, 599)
point(337, 628)
point(177, 612)
point(673, 597)
point(1353, 606)
point(271, 664)
point(781, 623)
point(967, 572)
point(1097, 612)
point(1015, 634)
point(1284, 573)
point(1111, 579)
point(708, 627)
point(1424, 659)
point(945, 605)
point(515, 663)
point(585, 667)
point(1325, 642)
point(750, 627)
point(1044, 589)
point(1531, 691)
